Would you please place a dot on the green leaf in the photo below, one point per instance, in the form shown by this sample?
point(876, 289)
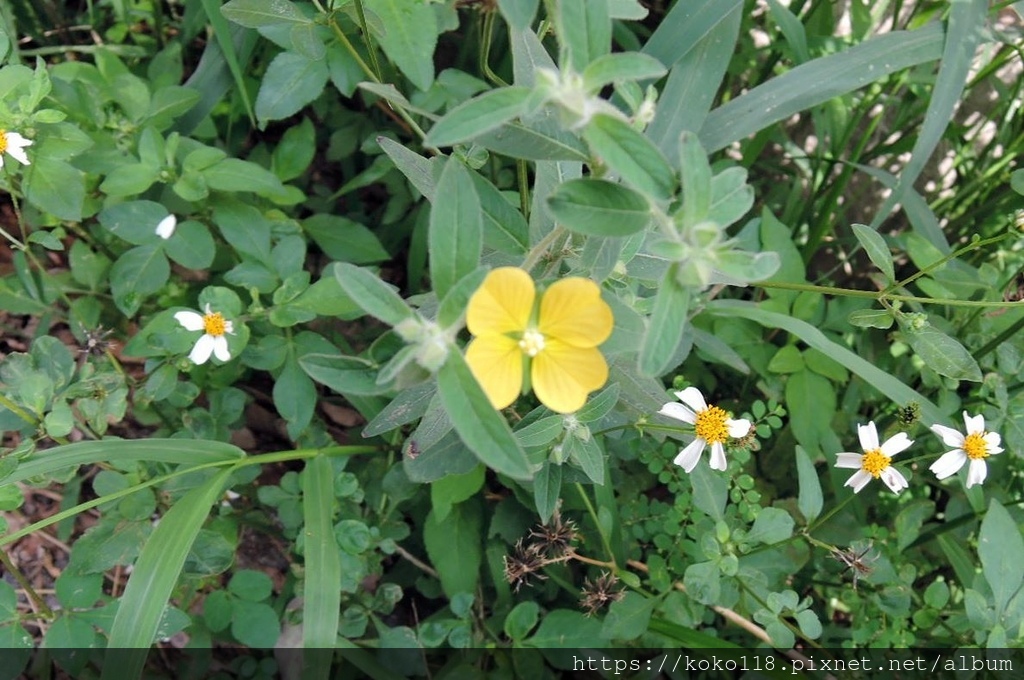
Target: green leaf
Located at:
point(772, 525)
point(710, 491)
point(521, 620)
point(417, 169)
point(192, 246)
point(877, 250)
point(505, 228)
point(156, 573)
point(234, 174)
point(343, 374)
point(811, 402)
point(695, 176)
point(245, 228)
point(322, 561)
point(134, 221)
point(252, 585)
point(454, 304)
point(588, 456)
point(668, 320)
point(454, 489)
point(482, 428)
point(1017, 181)
point(294, 154)
point(410, 36)
point(787, 360)
point(130, 179)
point(455, 547)
point(291, 81)
point(585, 30)
point(621, 66)
point(627, 618)
point(373, 295)
point(547, 489)
point(345, 240)
point(295, 397)
point(455, 239)
point(943, 353)
point(477, 116)
point(870, 318)
point(630, 154)
point(139, 272)
point(518, 13)
point(255, 624)
point(687, 27)
point(168, 104)
point(809, 500)
point(565, 629)
point(408, 406)
point(260, 13)
point(55, 187)
point(596, 207)
point(1001, 550)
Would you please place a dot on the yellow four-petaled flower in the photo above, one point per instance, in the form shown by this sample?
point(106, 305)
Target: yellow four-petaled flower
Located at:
point(552, 344)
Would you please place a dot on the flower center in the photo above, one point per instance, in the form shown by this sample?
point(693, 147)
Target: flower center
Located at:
point(874, 462)
point(710, 425)
point(214, 324)
point(975, 447)
point(532, 343)
point(3, 141)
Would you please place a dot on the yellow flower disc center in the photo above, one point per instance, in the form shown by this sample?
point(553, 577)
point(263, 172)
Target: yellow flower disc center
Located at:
point(874, 462)
point(710, 425)
point(3, 141)
point(214, 324)
point(974, 446)
point(532, 343)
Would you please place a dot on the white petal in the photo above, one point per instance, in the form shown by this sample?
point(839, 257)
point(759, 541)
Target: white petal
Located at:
point(1, 161)
point(976, 472)
point(16, 147)
point(676, 410)
point(200, 354)
point(894, 479)
point(850, 461)
point(220, 348)
point(692, 397)
point(896, 443)
point(229, 327)
point(738, 428)
point(948, 463)
point(950, 437)
point(19, 154)
point(166, 227)
point(868, 436)
point(688, 457)
point(975, 425)
point(190, 320)
point(859, 480)
point(717, 461)
point(992, 441)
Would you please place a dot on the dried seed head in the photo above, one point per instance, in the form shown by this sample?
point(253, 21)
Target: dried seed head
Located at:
point(525, 561)
point(597, 594)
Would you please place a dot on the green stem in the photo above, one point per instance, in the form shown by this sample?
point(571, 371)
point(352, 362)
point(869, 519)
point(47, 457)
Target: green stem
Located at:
point(8, 404)
point(593, 515)
point(832, 290)
point(485, 50)
point(535, 254)
point(522, 174)
point(40, 603)
point(368, 39)
point(831, 513)
point(973, 245)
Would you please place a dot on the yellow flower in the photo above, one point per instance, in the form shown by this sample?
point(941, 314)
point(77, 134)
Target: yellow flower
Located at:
point(553, 344)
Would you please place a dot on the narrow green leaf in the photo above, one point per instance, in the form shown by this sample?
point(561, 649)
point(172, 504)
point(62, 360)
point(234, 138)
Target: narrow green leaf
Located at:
point(505, 228)
point(343, 374)
point(479, 426)
point(959, 559)
point(666, 326)
point(455, 238)
point(818, 81)
point(943, 353)
point(345, 240)
point(809, 500)
point(596, 207)
point(687, 26)
point(322, 559)
point(585, 30)
point(877, 249)
point(260, 13)
point(415, 167)
point(453, 306)
point(410, 36)
point(538, 138)
point(518, 13)
point(455, 547)
point(870, 318)
point(540, 433)
point(477, 116)
point(695, 176)
point(373, 295)
point(1001, 549)
point(621, 66)
point(633, 156)
point(156, 572)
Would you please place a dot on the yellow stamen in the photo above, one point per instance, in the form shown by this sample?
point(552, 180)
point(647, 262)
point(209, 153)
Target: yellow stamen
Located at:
point(710, 425)
point(874, 462)
point(214, 324)
point(3, 140)
point(532, 343)
point(975, 447)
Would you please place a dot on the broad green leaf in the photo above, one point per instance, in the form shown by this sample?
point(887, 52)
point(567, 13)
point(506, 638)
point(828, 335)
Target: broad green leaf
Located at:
point(627, 618)
point(295, 397)
point(811, 402)
point(322, 560)
point(596, 207)
point(245, 228)
point(482, 428)
point(667, 322)
point(192, 245)
point(234, 174)
point(870, 318)
point(345, 240)
point(877, 250)
point(809, 500)
point(291, 81)
point(631, 155)
point(565, 629)
point(408, 406)
point(130, 179)
point(612, 68)
point(788, 359)
point(232, 47)
point(942, 353)
point(521, 620)
point(295, 153)
point(540, 433)
point(455, 547)
point(156, 573)
point(585, 30)
point(343, 374)
point(710, 490)
point(139, 272)
point(168, 104)
point(134, 221)
point(518, 13)
point(1001, 550)
point(731, 196)
point(477, 116)
point(455, 238)
point(373, 295)
point(588, 455)
point(260, 13)
point(818, 81)
point(772, 525)
point(882, 381)
point(453, 489)
point(410, 36)
point(55, 187)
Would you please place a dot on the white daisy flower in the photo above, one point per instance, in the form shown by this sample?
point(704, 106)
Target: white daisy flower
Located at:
point(875, 461)
point(975, 447)
point(213, 340)
point(712, 425)
point(14, 144)
point(166, 228)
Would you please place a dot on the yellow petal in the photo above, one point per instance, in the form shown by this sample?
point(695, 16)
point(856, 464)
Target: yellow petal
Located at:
point(502, 304)
point(572, 311)
point(564, 375)
point(497, 364)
